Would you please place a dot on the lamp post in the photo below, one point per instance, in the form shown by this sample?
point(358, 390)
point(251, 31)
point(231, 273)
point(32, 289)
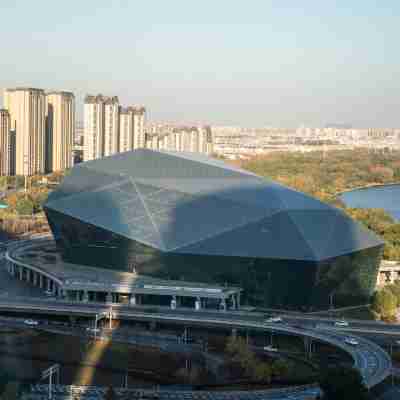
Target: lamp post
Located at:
point(395, 343)
point(48, 373)
point(331, 306)
point(98, 317)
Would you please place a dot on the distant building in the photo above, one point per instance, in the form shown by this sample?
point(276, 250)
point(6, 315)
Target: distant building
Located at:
point(111, 126)
point(60, 125)
point(185, 139)
point(4, 142)
point(27, 109)
point(93, 127)
point(126, 138)
point(139, 119)
point(111, 129)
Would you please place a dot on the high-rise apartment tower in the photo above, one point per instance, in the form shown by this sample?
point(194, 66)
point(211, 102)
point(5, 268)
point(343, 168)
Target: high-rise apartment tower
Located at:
point(139, 117)
point(27, 109)
point(60, 125)
point(4, 142)
point(93, 127)
point(111, 126)
point(126, 137)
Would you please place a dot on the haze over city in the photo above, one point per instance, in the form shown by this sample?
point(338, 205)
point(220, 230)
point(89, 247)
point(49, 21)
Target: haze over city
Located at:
point(256, 63)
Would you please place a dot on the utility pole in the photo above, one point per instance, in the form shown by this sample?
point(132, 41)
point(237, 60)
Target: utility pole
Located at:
point(185, 336)
point(111, 315)
point(48, 373)
point(331, 307)
point(125, 384)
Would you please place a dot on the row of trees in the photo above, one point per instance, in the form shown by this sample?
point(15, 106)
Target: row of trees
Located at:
point(18, 182)
point(336, 382)
point(250, 366)
point(325, 174)
point(385, 302)
point(29, 203)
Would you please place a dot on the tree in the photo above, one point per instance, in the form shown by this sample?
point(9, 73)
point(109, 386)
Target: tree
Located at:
point(342, 383)
point(3, 182)
point(263, 372)
point(24, 207)
point(240, 353)
point(395, 290)
point(280, 368)
point(384, 303)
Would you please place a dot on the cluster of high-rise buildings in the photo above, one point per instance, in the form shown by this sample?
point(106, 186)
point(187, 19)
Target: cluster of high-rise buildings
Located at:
point(110, 128)
point(237, 142)
point(196, 139)
point(36, 131)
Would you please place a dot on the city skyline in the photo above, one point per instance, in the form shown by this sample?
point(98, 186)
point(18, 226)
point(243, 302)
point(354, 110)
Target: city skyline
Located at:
point(263, 63)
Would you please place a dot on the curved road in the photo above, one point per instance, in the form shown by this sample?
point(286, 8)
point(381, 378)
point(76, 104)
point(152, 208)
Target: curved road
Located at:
point(371, 360)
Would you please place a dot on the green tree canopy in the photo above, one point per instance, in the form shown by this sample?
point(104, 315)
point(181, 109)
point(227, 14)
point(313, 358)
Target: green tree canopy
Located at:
point(395, 290)
point(384, 303)
point(25, 207)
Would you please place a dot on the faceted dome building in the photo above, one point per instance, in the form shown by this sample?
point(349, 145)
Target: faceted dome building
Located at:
point(188, 217)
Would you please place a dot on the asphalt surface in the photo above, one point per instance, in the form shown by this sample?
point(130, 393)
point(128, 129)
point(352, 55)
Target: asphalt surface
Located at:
point(373, 363)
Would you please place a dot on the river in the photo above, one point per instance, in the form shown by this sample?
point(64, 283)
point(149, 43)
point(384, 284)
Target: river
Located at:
point(386, 197)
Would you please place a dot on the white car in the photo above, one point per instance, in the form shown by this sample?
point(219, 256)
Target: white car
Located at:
point(273, 320)
point(48, 293)
point(31, 322)
point(270, 348)
point(351, 341)
point(92, 330)
point(342, 323)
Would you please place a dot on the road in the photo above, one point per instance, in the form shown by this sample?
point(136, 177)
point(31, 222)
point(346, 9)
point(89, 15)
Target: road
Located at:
point(372, 361)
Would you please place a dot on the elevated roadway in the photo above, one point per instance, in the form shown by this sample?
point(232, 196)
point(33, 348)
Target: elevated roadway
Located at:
point(371, 360)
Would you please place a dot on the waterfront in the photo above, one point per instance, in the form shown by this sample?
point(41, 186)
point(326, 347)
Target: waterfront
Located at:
point(386, 197)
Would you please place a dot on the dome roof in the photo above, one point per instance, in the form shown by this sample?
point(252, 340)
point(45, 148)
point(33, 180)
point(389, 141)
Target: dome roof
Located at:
point(188, 203)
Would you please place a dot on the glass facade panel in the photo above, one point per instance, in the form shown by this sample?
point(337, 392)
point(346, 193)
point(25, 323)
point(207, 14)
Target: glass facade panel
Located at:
point(291, 284)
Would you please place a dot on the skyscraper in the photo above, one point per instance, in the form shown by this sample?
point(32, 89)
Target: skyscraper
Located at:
point(4, 142)
point(138, 127)
point(111, 126)
point(60, 130)
point(125, 129)
point(93, 127)
point(27, 109)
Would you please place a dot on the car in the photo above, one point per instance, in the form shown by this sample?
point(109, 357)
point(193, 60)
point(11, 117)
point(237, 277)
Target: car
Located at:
point(92, 330)
point(351, 341)
point(341, 323)
point(31, 322)
point(49, 293)
point(270, 348)
point(273, 320)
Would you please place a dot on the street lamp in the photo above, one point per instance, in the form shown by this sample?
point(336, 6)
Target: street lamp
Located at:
point(396, 343)
point(331, 307)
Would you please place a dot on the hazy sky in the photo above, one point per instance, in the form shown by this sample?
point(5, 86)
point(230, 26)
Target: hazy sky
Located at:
point(253, 62)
